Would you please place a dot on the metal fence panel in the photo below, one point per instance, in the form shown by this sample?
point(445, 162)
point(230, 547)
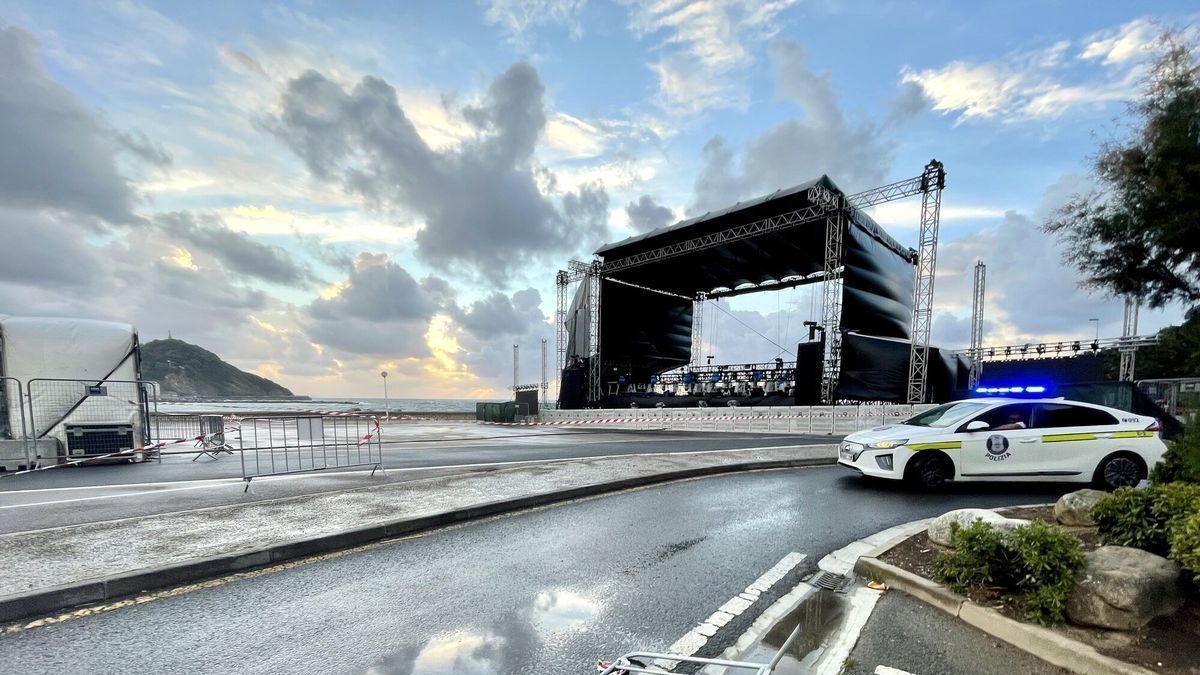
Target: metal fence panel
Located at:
point(273, 446)
point(91, 417)
point(14, 442)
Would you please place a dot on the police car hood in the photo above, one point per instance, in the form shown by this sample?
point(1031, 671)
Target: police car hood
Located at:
point(894, 432)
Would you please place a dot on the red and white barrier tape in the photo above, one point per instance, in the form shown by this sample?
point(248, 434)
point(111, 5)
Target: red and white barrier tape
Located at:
point(370, 435)
point(336, 413)
point(131, 452)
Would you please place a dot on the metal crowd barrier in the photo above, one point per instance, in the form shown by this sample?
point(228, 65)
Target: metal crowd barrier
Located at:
point(17, 436)
point(275, 446)
point(99, 410)
point(819, 420)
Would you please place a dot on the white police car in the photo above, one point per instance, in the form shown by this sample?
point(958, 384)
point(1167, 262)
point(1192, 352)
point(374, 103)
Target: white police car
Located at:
point(1009, 439)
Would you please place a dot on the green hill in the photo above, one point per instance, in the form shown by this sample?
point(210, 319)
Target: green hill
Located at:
point(183, 369)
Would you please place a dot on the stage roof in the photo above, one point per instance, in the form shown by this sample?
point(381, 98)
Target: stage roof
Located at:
point(795, 254)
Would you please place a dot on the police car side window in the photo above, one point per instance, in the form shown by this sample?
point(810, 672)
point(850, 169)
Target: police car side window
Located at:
point(1006, 414)
point(1052, 415)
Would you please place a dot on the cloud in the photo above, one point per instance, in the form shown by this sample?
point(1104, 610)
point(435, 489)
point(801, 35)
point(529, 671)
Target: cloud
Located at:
point(1131, 41)
point(516, 17)
point(824, 141)
point(236, 251)
point(646, 214)
point(481, 202)
point(1042, 83)
point(705, 46)
point(57, 153)
point(379, 310)
point(908, 103)
point(503, 315)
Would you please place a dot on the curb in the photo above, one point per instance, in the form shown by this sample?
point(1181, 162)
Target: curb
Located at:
point(1045, 644)
point(18, 606)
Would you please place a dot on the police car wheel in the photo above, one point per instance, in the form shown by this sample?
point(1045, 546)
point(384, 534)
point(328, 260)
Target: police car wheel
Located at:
point(929, 470)
point(1120, 471)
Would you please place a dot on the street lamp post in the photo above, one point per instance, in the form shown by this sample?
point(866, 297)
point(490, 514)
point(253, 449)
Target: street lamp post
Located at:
point(387, 408)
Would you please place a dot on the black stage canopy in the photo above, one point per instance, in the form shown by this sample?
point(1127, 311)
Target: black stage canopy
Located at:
point(778, 257)
point(645, 332)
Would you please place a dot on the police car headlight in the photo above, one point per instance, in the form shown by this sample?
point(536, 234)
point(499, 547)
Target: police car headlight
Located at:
point(886, 445)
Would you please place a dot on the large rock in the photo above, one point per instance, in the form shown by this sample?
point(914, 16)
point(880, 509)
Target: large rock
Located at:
point(1072, 509)
point(1124, 588)
point(939, 529)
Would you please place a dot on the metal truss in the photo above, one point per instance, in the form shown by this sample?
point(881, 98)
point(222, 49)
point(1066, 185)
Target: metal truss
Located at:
point(933, 180)
point(527, 387)
point(516, 366)
point(594, 370)
point(887, 193)
point(977, 326)
point(1129, 328)
point(740, 372)
point(1045, 350)
point(561, 281)
point(545, 376)
point(821, 199)
point(698, 328)
point(831, 305)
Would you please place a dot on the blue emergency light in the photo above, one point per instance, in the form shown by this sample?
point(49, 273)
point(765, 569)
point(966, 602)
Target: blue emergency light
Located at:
point(993, 391)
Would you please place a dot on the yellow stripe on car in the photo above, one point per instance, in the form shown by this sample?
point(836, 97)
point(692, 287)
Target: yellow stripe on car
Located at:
point(1131, 434)
point(1059, 438)
point(940, 445)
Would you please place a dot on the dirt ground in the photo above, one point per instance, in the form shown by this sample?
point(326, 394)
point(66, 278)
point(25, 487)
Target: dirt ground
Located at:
point(1167, 645)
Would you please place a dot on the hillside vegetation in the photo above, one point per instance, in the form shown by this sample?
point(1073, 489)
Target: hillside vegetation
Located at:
point(183, 369)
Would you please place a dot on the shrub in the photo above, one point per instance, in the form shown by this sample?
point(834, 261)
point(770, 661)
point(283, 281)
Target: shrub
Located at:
point(1144, 518)
point(1185, 544)
point(1181, 461)
point(1038, 559)
point(1126, 518)
point(979, 558)
point(1048, 559)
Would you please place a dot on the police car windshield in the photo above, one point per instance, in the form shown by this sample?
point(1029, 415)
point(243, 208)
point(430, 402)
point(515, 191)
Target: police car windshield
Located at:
point(946, 415)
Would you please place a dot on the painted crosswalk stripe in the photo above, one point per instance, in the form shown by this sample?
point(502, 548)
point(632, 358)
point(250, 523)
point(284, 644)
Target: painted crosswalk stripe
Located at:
point(697, 637)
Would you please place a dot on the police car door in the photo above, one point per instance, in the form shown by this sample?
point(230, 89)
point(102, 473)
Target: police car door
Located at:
point(1002, 453)
point(1071, 436)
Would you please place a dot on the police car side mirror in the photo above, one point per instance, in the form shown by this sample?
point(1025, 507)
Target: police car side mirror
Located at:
point(977, 425)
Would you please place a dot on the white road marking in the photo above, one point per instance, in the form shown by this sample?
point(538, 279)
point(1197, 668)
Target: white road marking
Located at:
point(218, 482)
point(697, 637)
point(862, 602)
point(888, 670)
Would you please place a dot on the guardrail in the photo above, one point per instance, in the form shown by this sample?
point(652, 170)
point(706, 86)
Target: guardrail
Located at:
point(275, 446)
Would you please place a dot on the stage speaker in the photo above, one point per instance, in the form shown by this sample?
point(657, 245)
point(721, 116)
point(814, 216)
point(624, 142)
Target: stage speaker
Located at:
point(809, 358)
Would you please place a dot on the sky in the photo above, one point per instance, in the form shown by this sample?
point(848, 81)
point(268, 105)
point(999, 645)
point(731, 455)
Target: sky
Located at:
point(319, 191)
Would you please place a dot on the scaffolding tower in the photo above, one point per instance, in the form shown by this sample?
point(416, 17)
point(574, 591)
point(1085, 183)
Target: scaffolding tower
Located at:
point(976, 353)
point(1129, 328)
point(933, 180)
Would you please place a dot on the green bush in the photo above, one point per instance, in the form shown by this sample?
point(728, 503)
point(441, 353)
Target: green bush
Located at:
point(1185, 544)
point(1126, 518)
point(1181, 461)
point(1038, 559)
point(979, 558)
point(1144, 518)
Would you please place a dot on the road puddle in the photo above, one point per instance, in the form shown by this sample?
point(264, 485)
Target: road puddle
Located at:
point(819, 616)
point(499, 650)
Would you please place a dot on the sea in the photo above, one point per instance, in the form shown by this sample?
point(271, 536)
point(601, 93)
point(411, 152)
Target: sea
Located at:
point(332, 404)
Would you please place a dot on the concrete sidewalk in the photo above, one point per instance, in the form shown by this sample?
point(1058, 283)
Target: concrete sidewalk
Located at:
point(47, 570)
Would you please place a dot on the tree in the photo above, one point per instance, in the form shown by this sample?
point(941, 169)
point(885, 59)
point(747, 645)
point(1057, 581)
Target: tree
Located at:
point(1138, 233)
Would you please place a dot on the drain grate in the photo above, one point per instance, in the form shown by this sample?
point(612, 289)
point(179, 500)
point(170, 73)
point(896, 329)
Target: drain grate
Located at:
point(831, 582)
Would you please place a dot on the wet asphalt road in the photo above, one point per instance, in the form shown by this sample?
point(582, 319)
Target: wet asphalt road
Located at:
point(81, 494)
point(545, 591)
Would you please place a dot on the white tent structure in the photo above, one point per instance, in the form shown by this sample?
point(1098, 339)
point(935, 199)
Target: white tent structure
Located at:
point(79, 378)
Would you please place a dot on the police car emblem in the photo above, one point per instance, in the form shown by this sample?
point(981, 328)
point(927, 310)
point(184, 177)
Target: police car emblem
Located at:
point(997, 448)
